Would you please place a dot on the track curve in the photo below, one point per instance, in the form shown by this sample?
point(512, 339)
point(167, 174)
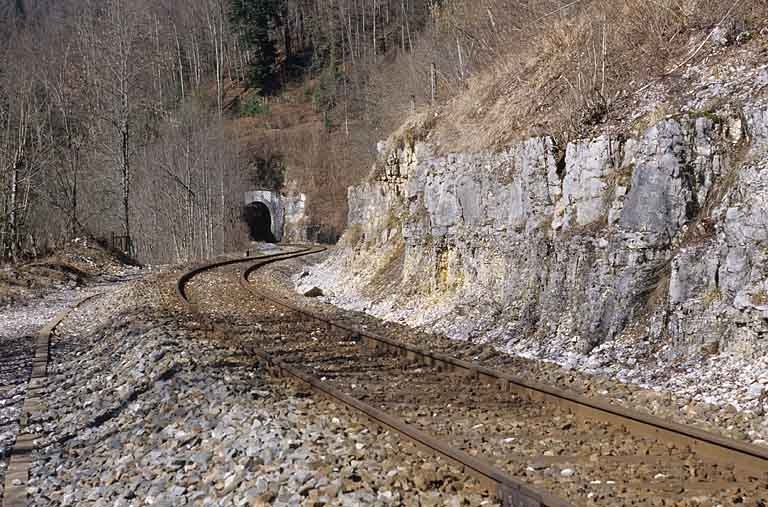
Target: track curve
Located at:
point(508, 490)
point(751, 461)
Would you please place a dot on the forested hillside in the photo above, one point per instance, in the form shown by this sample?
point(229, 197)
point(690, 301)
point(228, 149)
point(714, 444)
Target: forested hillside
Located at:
point(109, 126)
point(117, 115)
point(148, 119)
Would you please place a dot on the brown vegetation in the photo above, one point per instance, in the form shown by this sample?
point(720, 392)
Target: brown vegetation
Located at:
point(74, 264)
point(561, 68)
point(108, 127)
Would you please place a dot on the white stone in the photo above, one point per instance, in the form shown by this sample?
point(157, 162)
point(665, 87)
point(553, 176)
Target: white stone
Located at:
point(755, 390)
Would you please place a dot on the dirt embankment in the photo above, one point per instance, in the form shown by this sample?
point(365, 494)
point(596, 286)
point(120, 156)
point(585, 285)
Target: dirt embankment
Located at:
point(74, 265)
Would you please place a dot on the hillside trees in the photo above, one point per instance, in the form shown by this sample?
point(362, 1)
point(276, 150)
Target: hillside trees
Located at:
point(113, 40)
point(23, 147)
point(69, 116)
point(255, 20)
point(119, 83)
point(195, 175)
point(115, 114)
point(112, 132)
point(325, 33)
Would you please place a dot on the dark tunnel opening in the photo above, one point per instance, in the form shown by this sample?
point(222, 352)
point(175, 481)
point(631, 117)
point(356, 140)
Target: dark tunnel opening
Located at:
point(259, 220)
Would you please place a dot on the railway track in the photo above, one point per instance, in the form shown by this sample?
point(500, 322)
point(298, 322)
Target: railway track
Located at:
point(14, 492)
point(520, 439)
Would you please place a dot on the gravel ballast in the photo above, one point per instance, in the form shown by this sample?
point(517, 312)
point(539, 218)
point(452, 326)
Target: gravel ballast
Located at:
point(145, 408)
point(19, 325)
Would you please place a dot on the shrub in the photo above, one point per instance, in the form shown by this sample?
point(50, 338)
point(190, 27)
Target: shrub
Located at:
point(255, 106)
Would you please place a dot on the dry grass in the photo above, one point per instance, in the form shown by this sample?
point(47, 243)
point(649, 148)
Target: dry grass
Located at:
point(512, 69)
point(760, 298)
point(390, 271)
point(712, 296)
point(584, 67)
point(72, 264)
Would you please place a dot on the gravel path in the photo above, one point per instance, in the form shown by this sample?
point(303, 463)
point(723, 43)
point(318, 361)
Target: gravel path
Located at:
point(425, 480)
point(147, 408)
point(18, 328)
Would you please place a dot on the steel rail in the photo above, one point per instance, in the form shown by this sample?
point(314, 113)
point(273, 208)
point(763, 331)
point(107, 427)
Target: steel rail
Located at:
point(508, 490)
point(188, 275)
point(750, 459)
point(15, 492)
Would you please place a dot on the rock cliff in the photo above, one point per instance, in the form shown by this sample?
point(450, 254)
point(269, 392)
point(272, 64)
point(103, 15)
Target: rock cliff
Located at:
point(643, 243)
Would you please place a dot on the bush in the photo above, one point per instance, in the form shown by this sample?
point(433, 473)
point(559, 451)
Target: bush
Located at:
point(255, 106)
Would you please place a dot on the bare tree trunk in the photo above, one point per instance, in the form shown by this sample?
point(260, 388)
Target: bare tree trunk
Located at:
point(190, 211)
point(125, 147)
point(432, 82)
point(214, 26)
point(460, 57)
point(13, 219)
point(73, 221)
point(222, 202)
point(407, 27)
point(241, 61)
point(195, 60)
point(126, 177)
point(180, 62)
point(18, 157)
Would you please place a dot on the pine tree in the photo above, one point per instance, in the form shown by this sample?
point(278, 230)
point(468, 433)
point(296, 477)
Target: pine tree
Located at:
point(255, 19)
point(21, 11)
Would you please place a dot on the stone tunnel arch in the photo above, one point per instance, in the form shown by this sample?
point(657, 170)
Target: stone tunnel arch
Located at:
point(264, 215)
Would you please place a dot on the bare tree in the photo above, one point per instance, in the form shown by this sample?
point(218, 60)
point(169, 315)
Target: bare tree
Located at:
point(115, 34)
point(23, 137)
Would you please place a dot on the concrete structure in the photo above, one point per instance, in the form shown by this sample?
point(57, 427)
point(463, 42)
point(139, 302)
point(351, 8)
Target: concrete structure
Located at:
point(286, 212)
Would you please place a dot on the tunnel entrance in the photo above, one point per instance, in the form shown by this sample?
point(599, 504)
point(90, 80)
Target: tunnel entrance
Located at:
point(259, 220)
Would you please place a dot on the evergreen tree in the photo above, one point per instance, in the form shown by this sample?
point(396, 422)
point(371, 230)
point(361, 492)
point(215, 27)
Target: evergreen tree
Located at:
point(255, 19)
point(21, 11)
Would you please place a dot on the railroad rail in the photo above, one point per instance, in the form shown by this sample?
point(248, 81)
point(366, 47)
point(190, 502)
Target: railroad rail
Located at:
point(509, 491)
point(750, 461)
point(17, 475)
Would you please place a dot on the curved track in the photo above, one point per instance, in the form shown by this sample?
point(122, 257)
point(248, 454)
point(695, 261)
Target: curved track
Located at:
point(474, 409)
point(17, 474)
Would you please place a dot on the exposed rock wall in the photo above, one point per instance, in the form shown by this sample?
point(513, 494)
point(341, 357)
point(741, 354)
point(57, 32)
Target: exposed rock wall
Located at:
point(658, 238)
point(295, 215)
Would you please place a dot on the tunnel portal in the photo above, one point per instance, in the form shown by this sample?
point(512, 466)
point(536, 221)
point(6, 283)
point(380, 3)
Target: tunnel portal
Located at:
point(259, 220)
point(264, 215)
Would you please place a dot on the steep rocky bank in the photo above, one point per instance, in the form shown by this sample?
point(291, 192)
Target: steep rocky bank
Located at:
point(637, 252)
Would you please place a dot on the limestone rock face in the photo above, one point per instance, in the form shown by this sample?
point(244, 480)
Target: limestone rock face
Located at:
point(661, 236)
point(295, 204)
point(583, 199)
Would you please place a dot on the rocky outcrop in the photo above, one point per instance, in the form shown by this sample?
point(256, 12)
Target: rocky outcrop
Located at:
point(654, 237)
